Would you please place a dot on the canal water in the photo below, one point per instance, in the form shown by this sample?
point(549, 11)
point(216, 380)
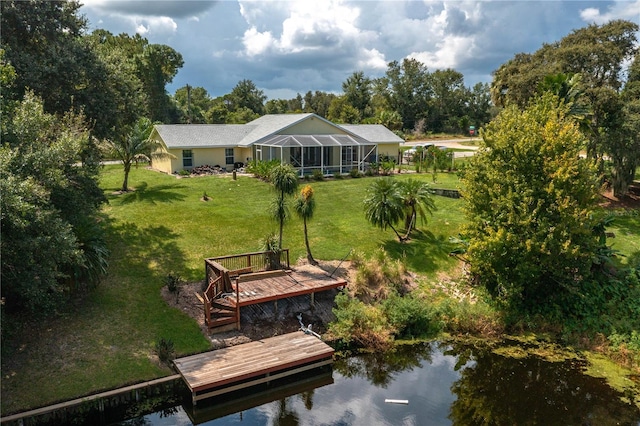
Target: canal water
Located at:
point(436, 384)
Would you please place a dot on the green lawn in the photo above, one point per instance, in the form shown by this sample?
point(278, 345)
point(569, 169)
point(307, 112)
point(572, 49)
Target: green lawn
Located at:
point(164, 227)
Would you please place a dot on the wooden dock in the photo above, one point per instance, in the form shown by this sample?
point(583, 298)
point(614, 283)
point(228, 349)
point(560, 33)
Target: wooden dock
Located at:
point(242, 280)
point(237, 367)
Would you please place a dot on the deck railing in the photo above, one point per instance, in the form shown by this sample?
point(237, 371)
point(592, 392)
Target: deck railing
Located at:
point(253, 262)
point(220, 270)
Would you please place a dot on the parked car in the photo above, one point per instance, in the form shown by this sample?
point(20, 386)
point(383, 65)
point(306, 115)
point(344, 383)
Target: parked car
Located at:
point(408, 154)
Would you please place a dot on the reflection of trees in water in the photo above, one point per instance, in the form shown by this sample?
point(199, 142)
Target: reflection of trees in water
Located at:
point(524, 391)
point(286, 416)
point(379, 368)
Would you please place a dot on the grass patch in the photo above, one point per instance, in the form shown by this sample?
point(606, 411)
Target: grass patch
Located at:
point(163, 227)
point(626, 228)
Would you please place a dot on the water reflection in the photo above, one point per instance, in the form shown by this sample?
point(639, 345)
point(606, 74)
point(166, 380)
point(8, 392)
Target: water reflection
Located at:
point(444, 385)
point(531, 391)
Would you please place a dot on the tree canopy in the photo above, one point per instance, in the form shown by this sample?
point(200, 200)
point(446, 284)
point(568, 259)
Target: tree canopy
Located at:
point(530, 201)
point(598, 54)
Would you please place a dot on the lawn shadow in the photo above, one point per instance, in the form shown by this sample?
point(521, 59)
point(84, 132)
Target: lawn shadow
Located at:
point(149, 253)
point(152, 195)
point(424, 252)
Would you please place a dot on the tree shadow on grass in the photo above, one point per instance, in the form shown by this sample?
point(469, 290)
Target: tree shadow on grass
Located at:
point(424, 252)
point(152, 195)
point(145, 253)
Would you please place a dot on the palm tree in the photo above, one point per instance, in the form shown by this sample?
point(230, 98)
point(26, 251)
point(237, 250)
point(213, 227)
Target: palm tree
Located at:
point(135, 146)
point(417, 200)
point(383, 205)
point(285, 182)
point(304, 206)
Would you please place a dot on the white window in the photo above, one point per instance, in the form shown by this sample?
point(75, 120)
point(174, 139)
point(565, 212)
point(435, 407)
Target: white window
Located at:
point(228, 155)
point(187, 158)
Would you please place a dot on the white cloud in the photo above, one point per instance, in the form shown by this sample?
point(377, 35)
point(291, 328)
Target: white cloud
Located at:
point(372, 59)
point(629, 10)
point(156, 26)
point(257, 43)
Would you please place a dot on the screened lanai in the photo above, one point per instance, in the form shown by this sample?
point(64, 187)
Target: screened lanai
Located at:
point(327, 153)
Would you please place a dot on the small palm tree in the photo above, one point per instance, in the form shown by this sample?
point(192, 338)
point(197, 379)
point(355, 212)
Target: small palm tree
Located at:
point(285, 182)
point(383, 205)
point(135, 146)
point(417, 199)
point(304, 206)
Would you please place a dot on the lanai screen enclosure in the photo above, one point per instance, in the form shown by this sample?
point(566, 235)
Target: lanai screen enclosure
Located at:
point(329, 154)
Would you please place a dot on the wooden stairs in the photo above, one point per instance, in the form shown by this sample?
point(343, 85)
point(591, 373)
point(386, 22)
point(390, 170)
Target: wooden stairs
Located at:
point(221, 301)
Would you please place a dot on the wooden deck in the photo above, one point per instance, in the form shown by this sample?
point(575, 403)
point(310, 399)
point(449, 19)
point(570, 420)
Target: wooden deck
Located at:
point(242, 280)
point(267, 286)
point(237, 367)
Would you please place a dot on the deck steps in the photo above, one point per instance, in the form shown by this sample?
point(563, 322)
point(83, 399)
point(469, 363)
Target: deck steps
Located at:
point(220, 321)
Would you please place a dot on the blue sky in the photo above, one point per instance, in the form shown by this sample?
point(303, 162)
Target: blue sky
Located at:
point(289, 47)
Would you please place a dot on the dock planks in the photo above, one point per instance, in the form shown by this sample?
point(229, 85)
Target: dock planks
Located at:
point(284, 284)
point(236, 367)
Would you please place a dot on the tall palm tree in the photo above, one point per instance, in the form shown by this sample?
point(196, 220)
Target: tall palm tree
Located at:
point(304, 205)
point(383, 205)
point(285, 182)
point(417, 199)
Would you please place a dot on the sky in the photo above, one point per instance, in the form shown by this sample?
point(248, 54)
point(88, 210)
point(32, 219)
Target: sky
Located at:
point(290, 47)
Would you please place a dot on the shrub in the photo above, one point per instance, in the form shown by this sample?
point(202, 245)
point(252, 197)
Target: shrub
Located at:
point(261, 169)
point(355, 173)
point(270, 245)
point(317, 175)
point(184, 172)
point(377, 278)
point(412, 316)
point(173, 283)
point(337, 175)
point(358, 324)
point(165, 350)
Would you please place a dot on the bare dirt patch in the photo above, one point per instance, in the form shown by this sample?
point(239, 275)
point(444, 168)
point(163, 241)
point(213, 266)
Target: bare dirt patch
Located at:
point(631, 201)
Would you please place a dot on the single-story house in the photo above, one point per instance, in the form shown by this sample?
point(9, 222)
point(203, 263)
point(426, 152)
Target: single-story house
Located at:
point(306, 141)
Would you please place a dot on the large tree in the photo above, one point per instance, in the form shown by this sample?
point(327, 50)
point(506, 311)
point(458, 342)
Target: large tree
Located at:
point(45, 43)
point(193, 103)
point(357, 90)
point(530, 204)
point(245, 94)
point(407, 90)
point(448, 104)
point(598, 54)
point(51, 242)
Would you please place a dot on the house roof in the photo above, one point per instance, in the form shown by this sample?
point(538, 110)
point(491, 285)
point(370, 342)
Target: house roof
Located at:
point(202, 135)
point(265, 131)
point(373, 132)
point(314, 140)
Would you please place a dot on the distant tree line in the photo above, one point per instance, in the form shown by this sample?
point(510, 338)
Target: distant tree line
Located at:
point(408, 99)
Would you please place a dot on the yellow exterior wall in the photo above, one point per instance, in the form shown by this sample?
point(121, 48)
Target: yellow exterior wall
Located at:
point(242, 154)
point(390, 149)
point(201, 157)
point(163, 164)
